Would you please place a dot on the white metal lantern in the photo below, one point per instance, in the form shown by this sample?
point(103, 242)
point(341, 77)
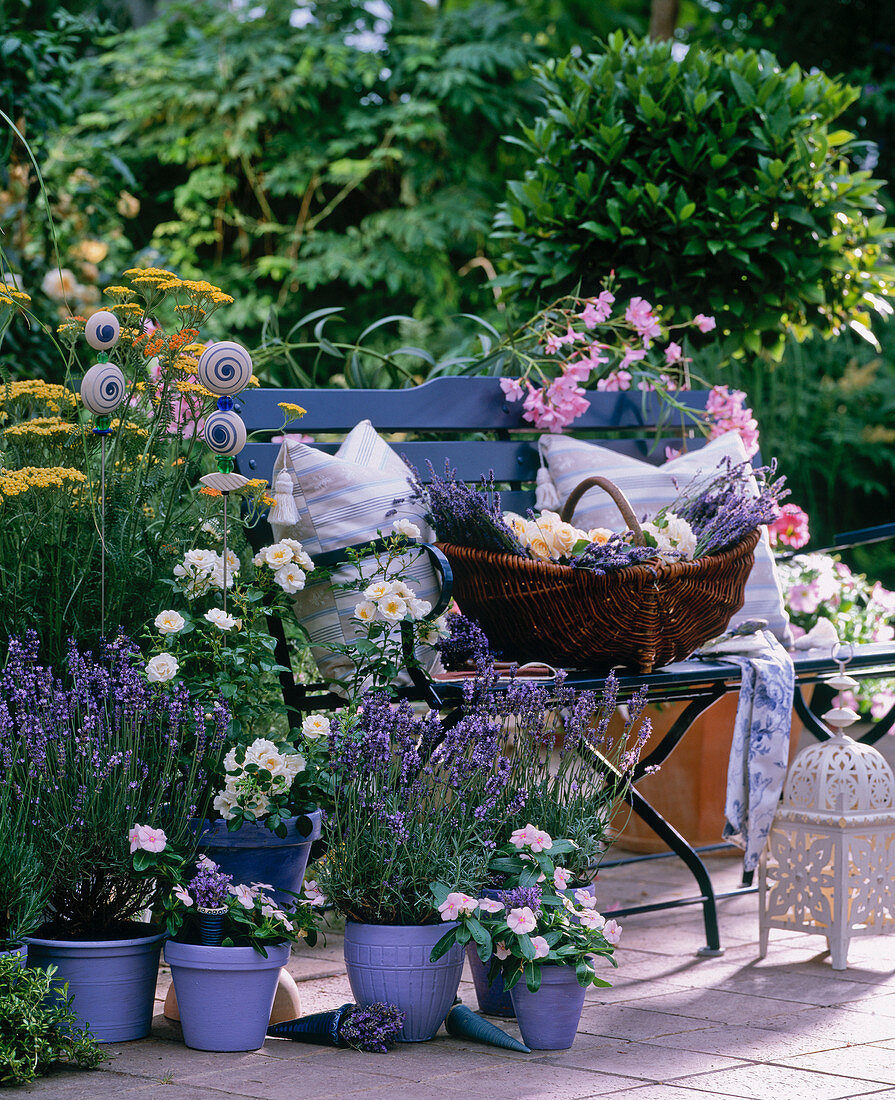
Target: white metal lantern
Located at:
point(829, 864)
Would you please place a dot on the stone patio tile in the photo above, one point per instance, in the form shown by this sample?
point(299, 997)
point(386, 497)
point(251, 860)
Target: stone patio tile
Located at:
point(533, 1080)
point(752, 1043)
point(644, 1062)
point(161, 1058)
point(667, 1092)
point(718, 1005)
point(631, 1022)
point(412, 1061)
point(773, 1082)
point(791, 983)
point(861, 1063)
point(850, 1027)
point(269, 1079)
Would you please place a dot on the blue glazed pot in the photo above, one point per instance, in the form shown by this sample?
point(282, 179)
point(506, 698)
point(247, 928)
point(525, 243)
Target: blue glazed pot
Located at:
point(112, 981)
point(493, 998)
point(549, 1018)
point(254, 854)
point(224, 994)
point(390, 963)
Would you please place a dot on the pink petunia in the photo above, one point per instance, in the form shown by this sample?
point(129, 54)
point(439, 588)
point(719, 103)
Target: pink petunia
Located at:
point(790, 528)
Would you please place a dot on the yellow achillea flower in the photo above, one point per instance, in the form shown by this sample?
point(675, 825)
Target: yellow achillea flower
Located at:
point(54, 396)
point(183, 386)
point(10, 296)
point(256, 483)
point(292, 411)
point(15, 482)
point(129, 307)
point(194, 349)
point(192, 310)
point(117, 291)
point(254, 381)
point(155, 272)
point(45, 426)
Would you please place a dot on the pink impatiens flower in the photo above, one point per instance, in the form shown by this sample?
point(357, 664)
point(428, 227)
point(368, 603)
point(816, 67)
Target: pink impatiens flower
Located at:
point(585, 898)
point(561, 878)
point(182, 896)
point(540, 841)
point(455, 904)
point(245, 895)
point(612, 931)
point(673, 353)
point(521, 920)
point(590, 918)
point(490, 905)
point(521, 838)
point(542, 948)
point(147, 839)
point(641, 318)
point(597, 310)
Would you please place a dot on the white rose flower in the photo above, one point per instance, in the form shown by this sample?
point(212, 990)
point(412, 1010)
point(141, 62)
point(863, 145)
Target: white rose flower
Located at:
point(392, 608)
point(290, 578)
point(233, 562)
point(564, 538)
point(260, 748)
point(600, 535)
point(220, 618)
point(314, 726)
point(680, 534)
point(365, 611)
point(377, 590)
point(276, 555)
point(162, 668)
point(169, 622)
point(399, 588)
point(230, 764)
point(419, 609)
point(258, 560)
point(225, 803)
point(200, 560)
point(211, 529)
point(293, 763)
point(407, 528)
point(299, 555)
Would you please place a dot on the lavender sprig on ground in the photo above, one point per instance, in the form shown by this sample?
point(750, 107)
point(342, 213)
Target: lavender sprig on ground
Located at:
point(615, 553)
point(373, 1028)
point(725, 508)
point(466, 515)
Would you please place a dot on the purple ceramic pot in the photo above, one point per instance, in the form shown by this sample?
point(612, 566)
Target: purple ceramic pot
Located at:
point(493, 998)
point(549, 1018)
point(254, 854)
point(112, 981)
point(390, 963)
point(224, 994)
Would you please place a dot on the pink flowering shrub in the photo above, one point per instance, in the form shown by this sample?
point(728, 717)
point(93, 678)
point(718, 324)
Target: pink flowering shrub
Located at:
point(790, 528)
point(817, 586)
point(726, 412)
point(576, 342)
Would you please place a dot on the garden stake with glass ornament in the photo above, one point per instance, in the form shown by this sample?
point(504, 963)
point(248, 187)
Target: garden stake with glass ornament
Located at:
point(102, 391)
point(225, 368)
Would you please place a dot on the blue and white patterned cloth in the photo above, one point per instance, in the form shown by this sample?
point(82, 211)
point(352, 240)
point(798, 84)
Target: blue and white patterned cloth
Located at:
point(760, 750)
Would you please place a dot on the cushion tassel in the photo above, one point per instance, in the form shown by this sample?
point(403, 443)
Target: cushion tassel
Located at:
point(546, 496)
point(283, 512)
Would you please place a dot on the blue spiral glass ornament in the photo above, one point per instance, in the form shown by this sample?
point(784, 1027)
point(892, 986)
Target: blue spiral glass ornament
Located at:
point(225, 433)
point(102, 330)
point(103, 389)
point(225, 368)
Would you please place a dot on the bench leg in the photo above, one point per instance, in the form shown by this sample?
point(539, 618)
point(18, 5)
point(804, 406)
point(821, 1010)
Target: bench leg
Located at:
point(685, 852)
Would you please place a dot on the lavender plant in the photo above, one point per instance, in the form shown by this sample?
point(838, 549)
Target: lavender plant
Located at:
point(209, 887)
point(414, 800)
point(23, 886)
point(93, 751)
point(568, 767)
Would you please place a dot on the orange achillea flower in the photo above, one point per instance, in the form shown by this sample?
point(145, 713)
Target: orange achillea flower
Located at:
point(205, 491)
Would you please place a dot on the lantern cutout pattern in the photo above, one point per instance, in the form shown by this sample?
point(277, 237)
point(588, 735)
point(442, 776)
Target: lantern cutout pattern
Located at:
point(103, 389)
point(225, 369)
point(829, 864)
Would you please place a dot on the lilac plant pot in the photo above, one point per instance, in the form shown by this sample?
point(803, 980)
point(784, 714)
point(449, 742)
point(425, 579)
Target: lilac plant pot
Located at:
point(493, 998)
point(390, 963)
point(549, 1018)
point(224, 994)
point(254, 854)
point(112, 981)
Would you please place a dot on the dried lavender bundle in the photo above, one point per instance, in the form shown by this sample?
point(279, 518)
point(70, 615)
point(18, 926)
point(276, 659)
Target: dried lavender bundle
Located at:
point(466, 515)
point(614, 554)
point(736, 500)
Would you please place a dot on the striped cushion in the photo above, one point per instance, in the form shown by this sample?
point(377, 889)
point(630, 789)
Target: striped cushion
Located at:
point(649, 488)
point(343, 500)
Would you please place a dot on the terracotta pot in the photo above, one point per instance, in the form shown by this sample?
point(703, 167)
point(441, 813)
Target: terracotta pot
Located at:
point(690, 788)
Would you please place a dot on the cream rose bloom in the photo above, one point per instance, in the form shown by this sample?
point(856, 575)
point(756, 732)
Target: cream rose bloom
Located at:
point(564, 538)
point(219, 618)
point(169, 622)
point(276, 555)
point(204, 560)
point(314, 726)
point(161, 668)
point(600, 535)
point(290, 578)
point(366, 611)
point(407, 528)
point(299, 555)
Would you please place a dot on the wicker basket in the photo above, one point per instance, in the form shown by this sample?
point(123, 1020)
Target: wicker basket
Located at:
point(642, 616)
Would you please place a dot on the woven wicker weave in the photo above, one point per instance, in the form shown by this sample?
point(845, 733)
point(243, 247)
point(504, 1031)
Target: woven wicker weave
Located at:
point(642, 616)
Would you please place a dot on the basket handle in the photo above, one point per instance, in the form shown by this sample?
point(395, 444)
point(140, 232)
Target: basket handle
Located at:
point(617, 495)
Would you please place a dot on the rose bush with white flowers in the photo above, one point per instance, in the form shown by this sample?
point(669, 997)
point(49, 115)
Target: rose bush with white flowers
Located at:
point(532, 922)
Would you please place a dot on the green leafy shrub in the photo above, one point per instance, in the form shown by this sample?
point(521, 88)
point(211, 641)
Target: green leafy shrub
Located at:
point(38, 1028)
point(716, 182)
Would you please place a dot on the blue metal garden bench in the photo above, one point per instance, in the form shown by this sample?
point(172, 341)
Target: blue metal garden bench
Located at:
point(469, 423)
